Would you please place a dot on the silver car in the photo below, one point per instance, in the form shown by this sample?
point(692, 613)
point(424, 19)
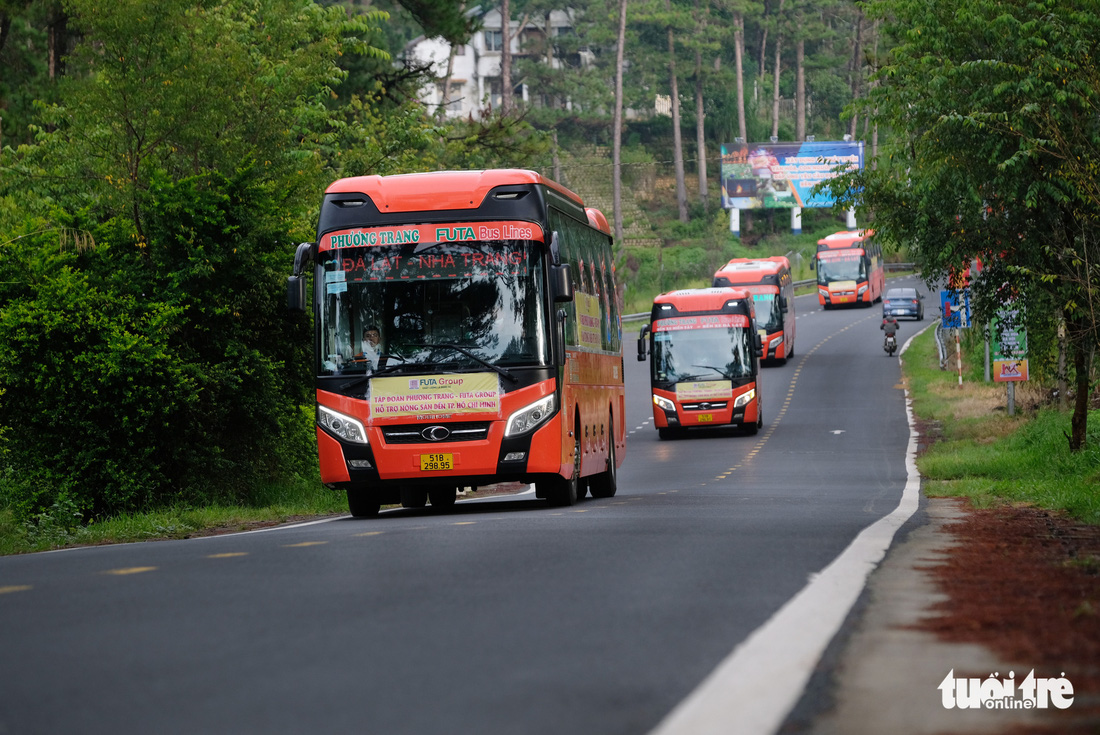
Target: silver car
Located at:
point(903, 302)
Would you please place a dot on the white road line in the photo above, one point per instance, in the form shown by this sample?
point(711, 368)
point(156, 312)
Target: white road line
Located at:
point(755, 687)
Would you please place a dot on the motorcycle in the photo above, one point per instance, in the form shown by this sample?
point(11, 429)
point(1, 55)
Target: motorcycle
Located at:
point(891, 345)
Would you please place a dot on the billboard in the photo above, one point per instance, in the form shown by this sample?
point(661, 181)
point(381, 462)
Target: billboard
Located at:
point(1010, 349)
point(780, 175)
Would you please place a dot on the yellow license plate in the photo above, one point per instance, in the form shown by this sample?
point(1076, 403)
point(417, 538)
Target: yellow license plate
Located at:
point(705, 418)
point(436, 462)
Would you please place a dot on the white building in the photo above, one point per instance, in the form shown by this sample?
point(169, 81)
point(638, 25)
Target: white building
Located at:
point(474, 81)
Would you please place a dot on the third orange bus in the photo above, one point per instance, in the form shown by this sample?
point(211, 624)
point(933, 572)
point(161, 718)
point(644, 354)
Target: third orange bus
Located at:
point(849, 269)
point(772, 287)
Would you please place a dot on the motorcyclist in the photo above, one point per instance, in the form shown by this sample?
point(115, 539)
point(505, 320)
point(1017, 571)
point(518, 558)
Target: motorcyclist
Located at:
point(890, 326)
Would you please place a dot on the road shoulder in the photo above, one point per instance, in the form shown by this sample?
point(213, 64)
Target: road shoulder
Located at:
point(915, 627)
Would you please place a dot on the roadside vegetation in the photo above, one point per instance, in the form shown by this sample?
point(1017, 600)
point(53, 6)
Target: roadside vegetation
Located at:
point(973, 449)
point(151, 197)
point(976, 450)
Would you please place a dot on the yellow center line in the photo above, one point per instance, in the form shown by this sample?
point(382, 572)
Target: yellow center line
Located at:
point(227, 555)
point(129, 570)
point(14, 588)
point(464, 523)
point(304, 544)
point(369, 533)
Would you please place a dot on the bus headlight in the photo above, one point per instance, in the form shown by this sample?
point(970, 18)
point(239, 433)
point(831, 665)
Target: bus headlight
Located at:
point(345, 427)
point(862, 289)
point(744, 398)
point(662, 402)
point(529, 417)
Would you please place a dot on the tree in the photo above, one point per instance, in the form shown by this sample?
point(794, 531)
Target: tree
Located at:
point(739, 62)
point(998, 107)
point(186, 157)
point(674, 93)
point(443, 18)
point(617, 125)
point(506, 56)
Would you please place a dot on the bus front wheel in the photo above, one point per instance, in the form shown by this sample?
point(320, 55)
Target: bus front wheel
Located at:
point(562, 491)
point(361, 504)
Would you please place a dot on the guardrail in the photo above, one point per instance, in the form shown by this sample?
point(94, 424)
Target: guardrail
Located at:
point(797, 284)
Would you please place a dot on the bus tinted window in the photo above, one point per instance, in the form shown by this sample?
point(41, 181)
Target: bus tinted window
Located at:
point(697, 352)
point(483, 296)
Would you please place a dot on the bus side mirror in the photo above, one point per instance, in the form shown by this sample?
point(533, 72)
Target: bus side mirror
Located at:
point(759, 344)
point(641, 343)
point(783, 306)
point(296, 284)
point(296, 293)
point(813, 264)
point(561, 283)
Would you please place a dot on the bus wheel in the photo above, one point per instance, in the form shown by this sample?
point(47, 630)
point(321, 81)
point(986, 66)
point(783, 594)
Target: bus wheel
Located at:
point(605, 484)
point(361, 504)
point(564, 491)
point(442, 497)
point(414, 497)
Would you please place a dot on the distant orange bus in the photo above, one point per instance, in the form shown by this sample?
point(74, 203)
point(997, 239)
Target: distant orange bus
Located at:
point(705, 360)
point(850, 269)
point(772, 287)
point(491, 296)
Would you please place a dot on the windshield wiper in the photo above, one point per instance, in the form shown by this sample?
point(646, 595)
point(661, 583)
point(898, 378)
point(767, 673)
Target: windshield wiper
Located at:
point(382, 359)
point(720, 371)
point(495, 368)
point(384, 366)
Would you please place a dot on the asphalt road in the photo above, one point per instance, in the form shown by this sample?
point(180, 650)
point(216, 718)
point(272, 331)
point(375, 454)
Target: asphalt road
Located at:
point(503, 616)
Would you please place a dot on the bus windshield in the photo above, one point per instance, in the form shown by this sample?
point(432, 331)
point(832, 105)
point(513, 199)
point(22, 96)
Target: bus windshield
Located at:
point(432, 307)
point(718, 353)
point(847, 267)
point(768, 315)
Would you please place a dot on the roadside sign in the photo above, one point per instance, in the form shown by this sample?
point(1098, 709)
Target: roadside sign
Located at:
point(1010, 347)
point(955, 308)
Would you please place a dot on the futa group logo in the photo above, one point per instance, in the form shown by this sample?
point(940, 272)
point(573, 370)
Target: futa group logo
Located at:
point(996, 693)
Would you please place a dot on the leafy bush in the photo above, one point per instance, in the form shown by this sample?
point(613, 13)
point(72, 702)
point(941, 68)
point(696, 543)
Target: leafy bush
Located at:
point(137, 375)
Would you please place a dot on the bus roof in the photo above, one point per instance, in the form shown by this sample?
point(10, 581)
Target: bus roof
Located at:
point(440, 189)
point(749, 270)
point(701, 299)
point(844, 239)
point(597, 220)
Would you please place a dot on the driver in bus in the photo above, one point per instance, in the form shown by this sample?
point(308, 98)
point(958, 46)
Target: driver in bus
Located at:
point(371, 346)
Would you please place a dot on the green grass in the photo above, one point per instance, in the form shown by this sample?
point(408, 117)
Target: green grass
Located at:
point(298, 499)
point(992, 458)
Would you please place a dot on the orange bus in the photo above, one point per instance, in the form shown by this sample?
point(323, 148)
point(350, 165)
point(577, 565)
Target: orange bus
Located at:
point(705, 360)
point(467, 333)
point(849, 269)
point(772, 287)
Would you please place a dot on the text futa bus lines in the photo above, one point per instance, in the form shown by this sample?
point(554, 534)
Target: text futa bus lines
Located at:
point(772, 287)
point(491, 295)
point(705, 360)
point(849, 269)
